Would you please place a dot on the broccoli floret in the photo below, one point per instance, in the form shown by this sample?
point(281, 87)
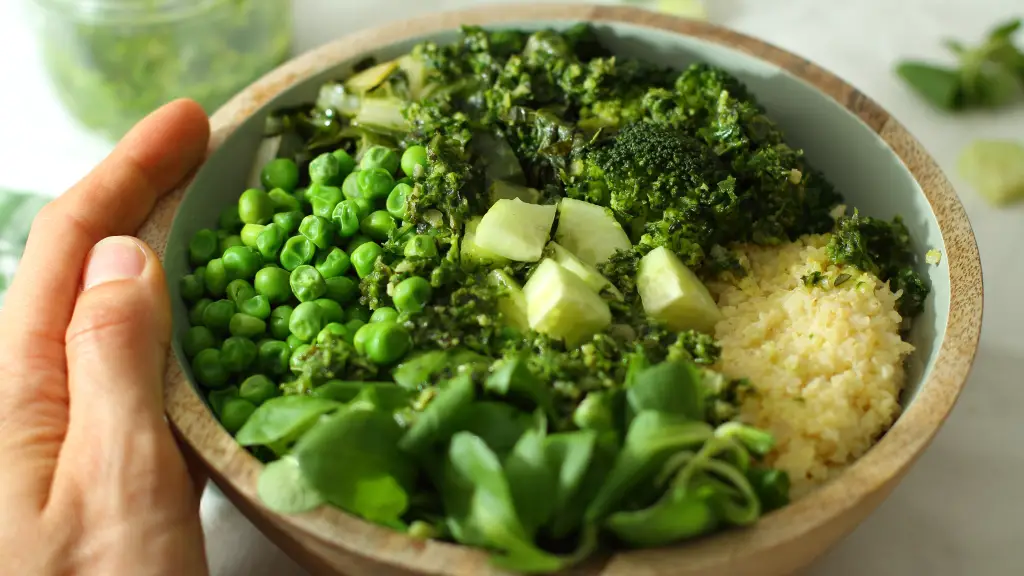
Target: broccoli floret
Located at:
point(882, 248)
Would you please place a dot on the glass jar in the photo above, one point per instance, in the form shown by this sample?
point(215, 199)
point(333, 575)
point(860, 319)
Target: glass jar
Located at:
point(114, 61)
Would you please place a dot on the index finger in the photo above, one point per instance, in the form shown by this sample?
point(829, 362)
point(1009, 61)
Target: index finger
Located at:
point(114, 199)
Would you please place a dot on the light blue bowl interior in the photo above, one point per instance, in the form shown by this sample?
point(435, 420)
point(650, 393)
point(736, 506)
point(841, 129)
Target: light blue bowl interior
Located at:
point(860, 164)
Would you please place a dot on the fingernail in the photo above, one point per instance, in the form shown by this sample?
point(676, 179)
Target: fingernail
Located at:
point(114, 258)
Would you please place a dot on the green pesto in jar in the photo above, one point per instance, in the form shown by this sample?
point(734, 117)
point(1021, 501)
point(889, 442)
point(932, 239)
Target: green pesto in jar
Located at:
point(113, 62)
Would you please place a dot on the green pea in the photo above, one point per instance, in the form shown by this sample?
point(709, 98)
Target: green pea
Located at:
point(325, 169)
point(279, 319)
point(306, 321)
point(307, 284)
point(246, 326)
point(351, 327)
point(237, 354)
point(197, 339)
point(229, 241)
point(217, 316)
point(239, 291)
point(333, 330)
point(361, 336)
point(421, 246)
point(280, 173)
point(364, 205)
point(361, 313)
point(269, 242)
point(191, 288)
point(324, 199)
point(251, 233)
point(414, 161)
point(202, 247)
point(332, 311)
point(293, 342)
point(406, 180)
point(218, 398)
point(257, 389)
point(396, 204)
point(412, 294)
point(274, 284)
point(346, 164)
point(230, 220)
point(384, 314)
point(356, 241)
point(317, 230)
point(195, 315)
point(200, 274)
point(272, 357)
point(378, 225)
point(257, 306)
point(208, 368)
point(300, 195)
point(346, 217)
point(298, 250)
point(334, 262)
point(364, 258)
point(341, 289)
point(350, 186)
point(379, 157)
point(283, 201)
point(375, 183)
point(235, 413)
point(255, 207)
point(298, 358)
point(289, 221)
point(386, 343)
point(242, 262)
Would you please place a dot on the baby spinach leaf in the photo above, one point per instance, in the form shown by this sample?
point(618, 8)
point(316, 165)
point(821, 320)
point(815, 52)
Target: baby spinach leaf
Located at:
point(672, 387)
point(427, 367)
point(529, 477)
point(735, 498)
point(757, 441)
point(283, 418)
point(500, 425)
point(512, 377)
point(653, 437)
point(353, 460)
point(681, 513)
point(485, 514)
point(418, 370)
point(282, 488)
point(570, 456)
point(440, 419)
point(346, 390)
point(939, 85)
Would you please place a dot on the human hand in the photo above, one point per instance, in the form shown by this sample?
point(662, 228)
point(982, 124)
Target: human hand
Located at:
point(92, 481)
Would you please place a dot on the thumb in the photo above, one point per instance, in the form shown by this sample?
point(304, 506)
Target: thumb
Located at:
point(117, 338)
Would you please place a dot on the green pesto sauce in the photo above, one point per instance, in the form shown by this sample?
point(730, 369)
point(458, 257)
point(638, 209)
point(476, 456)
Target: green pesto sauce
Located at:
point(111, 71)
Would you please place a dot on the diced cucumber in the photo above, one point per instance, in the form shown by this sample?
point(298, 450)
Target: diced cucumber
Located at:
point(673, 294)
point(512, 305)
point(589, 231)
point(586, 272)
point(502, 190)
point(560, 304)
point(995, 168)
point(516, 230)
point(472, 252)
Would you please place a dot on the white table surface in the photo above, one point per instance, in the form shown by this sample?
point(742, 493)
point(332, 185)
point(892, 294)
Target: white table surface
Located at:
point(958, 511)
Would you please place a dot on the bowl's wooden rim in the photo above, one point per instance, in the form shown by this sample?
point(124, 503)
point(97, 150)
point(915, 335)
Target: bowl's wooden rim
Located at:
point(858, 490)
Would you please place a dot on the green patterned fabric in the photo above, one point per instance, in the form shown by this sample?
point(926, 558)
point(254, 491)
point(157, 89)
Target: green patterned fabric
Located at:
point(17, 209)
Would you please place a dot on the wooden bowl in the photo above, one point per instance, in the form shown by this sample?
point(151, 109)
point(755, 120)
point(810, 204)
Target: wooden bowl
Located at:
point(869, 155)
